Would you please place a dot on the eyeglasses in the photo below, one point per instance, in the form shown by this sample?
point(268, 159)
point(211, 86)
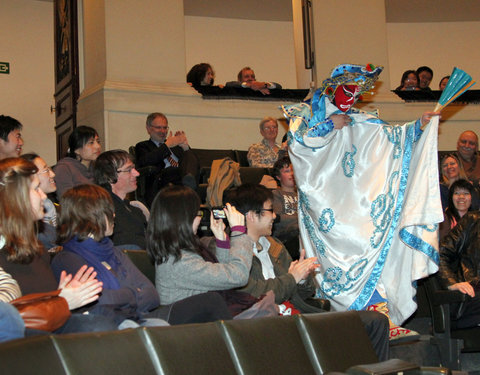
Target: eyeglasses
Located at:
point(128, 170)
point(46, 170)
point(159, 127)
point(266, 209)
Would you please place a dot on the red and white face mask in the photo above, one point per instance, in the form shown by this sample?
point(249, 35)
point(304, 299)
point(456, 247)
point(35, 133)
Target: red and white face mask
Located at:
point(345, 96)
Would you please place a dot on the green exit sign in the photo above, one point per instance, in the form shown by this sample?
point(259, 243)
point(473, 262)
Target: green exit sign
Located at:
point(4, 68)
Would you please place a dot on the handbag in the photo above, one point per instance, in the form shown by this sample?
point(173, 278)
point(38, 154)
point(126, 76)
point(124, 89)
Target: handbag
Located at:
point(43, 311)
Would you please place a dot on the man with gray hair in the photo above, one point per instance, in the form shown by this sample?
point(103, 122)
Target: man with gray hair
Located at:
point(170, 155)
point(467, 148)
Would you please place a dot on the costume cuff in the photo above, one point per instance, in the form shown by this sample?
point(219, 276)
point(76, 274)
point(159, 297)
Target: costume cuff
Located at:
point(321, 129)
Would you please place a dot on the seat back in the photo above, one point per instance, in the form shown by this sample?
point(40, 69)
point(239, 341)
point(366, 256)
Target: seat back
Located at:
point(335, 341)
point(190, 349)
point(142, 261)
point(440, 314)
point(35, 355)
point(241, 158)
point(266, 346)
point(117, 352)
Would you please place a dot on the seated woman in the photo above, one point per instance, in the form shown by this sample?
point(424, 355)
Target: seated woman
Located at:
point(76, 168)
point(266, 153)
point(183, 269)
point(23, 256)
point(11, 323)
point(85, 222)
point(47, 233)
point(409, 81)
point(459, 203)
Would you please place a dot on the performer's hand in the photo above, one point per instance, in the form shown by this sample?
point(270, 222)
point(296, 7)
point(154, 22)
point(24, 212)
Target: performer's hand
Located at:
point(427, 116)
point(340, 121)
point(465, 288)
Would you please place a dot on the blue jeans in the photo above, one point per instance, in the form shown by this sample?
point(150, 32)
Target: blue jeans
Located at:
point(11, 323)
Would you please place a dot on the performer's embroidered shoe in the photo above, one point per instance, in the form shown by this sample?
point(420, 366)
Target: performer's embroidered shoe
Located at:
point(397, 334)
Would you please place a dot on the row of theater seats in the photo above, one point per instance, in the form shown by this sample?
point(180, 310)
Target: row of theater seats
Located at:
point(308, 344)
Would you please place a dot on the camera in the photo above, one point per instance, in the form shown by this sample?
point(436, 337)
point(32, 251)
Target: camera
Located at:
point(218, 213)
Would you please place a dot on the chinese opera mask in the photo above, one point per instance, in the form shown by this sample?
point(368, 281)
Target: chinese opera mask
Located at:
point(346, 96)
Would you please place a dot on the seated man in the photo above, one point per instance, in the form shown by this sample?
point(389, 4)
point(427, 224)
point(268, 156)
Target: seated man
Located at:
point(11, 141)
point(458, 269)
point(170, 154)
point(467, 148)
point(116, 173)
point(266, 153)
point(285, 206)
point(246, 79)
point(273, 269)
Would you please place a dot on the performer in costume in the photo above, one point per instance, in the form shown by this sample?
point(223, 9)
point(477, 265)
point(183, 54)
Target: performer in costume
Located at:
point(369, 200)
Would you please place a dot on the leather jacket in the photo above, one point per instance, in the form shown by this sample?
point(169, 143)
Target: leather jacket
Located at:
point(460, 252)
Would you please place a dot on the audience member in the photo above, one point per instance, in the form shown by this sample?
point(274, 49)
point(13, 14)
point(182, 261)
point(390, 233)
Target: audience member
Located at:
point(266, 153)
point(115, 172)
point(85, 222)
point(459, 203)
point(450, 172)
point(183, 266)
point(11, 141)
point(425, 75)
point(467, 148)
point(47, 233)
point(443, 83)
point(458, 269)
point(201, 75)
point(246, 79)
point(23, 256)
point(170, 154)
point(409, 81)
point(273, 268)
point(285, 206)
point(77, 167)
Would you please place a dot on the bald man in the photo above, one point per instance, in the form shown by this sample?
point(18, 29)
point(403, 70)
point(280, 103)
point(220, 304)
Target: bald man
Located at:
point(467, 147)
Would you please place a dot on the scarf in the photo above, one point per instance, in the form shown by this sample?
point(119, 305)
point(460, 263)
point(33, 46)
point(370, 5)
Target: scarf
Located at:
point(94, 254)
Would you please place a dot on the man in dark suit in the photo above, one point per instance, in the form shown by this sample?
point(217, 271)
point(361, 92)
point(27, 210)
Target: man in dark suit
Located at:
point(169, 153)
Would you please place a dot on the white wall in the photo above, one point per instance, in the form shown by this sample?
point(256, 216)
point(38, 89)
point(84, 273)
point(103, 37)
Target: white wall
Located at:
point(440, 45)
point(26, 42)
point(230, 44)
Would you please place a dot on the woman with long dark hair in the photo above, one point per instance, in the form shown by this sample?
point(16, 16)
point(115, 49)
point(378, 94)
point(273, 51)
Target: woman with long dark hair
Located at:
point(459, 203)
point(183, 269)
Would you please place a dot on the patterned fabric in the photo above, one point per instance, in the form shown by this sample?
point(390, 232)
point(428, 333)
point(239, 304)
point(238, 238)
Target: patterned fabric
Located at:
point(369, 204)
point(262, 154)
point(9, 289)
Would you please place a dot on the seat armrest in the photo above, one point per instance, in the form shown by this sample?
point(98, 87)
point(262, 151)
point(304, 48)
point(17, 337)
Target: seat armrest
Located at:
point(392, 366)
point(442, 297)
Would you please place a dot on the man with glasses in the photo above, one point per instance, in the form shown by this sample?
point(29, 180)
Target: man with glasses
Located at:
point(273, 268)
point(169, 153)
point(116, 173)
